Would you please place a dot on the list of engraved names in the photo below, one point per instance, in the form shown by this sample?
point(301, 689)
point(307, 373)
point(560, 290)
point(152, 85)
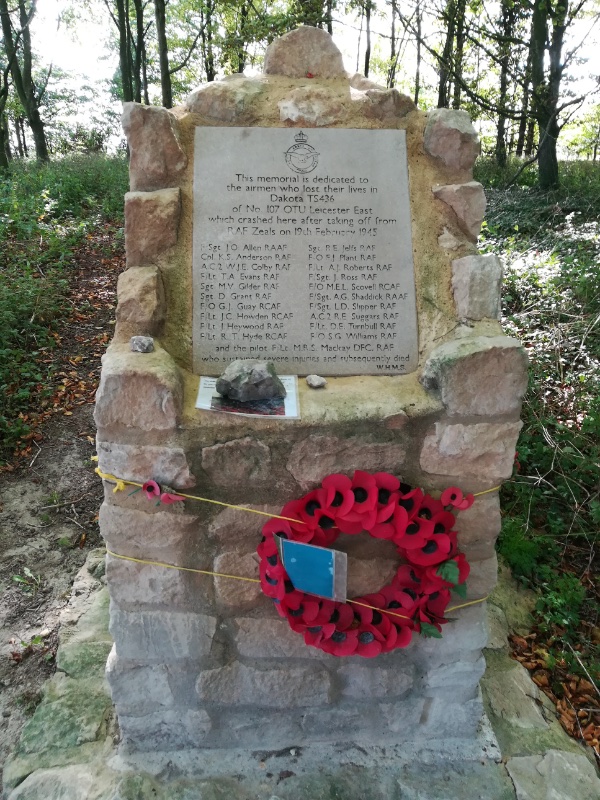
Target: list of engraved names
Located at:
point(302, 251)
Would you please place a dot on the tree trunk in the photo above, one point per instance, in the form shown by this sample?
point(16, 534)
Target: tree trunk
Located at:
point(368, 9)
point(391, 78)
point(207, 42)
point(446, 58)
point(457, 61)
point(20, 147)
point(242, 38)
point(121, 20)
point(418, 13)
point(329, 5)
point(17, 46)
point(507, 24)
point(163, 53)
point(4, 143)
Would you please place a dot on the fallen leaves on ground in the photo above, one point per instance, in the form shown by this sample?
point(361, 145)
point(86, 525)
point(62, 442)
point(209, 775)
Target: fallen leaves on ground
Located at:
point(74, 364)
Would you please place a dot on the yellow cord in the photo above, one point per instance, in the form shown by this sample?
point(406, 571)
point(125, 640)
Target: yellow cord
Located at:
point(256, 580)
point(120, 486)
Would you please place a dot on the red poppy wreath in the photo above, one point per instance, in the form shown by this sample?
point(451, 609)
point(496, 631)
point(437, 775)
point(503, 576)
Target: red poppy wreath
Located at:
point(414, 601)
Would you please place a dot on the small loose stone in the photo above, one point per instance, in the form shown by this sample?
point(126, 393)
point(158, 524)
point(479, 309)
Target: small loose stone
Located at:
point(316, 381)
point(141, 344)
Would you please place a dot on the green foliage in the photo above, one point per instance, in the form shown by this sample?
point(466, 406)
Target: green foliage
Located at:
point(45, 213)
point(551, 246)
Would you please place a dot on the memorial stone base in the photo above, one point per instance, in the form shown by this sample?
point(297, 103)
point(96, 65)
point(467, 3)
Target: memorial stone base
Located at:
point(203, 661)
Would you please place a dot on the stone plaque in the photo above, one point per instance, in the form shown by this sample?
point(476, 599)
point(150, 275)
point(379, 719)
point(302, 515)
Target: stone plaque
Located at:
point(302, 251)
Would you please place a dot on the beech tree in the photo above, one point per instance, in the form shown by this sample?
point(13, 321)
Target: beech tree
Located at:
point(18, 54)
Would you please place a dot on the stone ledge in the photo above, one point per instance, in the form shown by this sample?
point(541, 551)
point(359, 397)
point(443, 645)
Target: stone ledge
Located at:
point(138, 390)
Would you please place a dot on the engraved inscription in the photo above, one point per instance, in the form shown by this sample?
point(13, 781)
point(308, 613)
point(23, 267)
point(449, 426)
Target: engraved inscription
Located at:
point(302, 251)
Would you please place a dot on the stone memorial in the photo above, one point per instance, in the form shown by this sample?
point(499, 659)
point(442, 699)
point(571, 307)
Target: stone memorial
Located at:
point(324, 223)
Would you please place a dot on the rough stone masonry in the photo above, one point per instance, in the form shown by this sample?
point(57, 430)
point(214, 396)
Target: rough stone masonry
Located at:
point(200, 661)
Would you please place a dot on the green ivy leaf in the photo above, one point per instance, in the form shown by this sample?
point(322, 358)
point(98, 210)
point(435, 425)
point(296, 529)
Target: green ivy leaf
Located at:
point(430, 631)
point(449, 571)
point(461, 590)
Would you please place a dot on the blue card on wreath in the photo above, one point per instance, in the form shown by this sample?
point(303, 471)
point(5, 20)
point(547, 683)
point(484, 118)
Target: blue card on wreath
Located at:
point(315, 570)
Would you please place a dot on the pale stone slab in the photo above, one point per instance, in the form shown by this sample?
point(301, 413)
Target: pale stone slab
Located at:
point(450, 136)
point(302, 251)
point(316, 456)
point(554, 776)
point(476, 285)
point(304, 52)
point(237, 684)
point(485, 450)
point(478, 375)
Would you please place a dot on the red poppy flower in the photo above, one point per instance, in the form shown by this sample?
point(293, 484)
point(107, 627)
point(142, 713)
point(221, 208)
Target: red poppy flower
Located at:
point(429, 507)
point(340, 497)
point(168, 498)
point(432, 552)
point(416, 534)
point(410, 499)
point(455, 498)
point(443, 522)
point(151, 489)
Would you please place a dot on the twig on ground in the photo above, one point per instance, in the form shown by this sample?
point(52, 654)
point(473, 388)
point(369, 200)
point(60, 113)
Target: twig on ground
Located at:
point(66, 503)
point(583, 667)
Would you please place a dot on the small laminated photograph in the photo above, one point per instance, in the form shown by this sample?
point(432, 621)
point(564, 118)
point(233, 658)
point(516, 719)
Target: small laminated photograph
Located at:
point(314, 570)
point(284, 407)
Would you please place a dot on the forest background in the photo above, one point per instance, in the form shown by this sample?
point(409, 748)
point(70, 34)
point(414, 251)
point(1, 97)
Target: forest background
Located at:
point(524, 70)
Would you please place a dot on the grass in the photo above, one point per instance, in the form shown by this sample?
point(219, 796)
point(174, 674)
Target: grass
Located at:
point(551, 247)
point(46, 211)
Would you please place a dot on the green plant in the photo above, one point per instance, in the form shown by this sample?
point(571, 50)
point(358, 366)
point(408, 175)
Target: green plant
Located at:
point(28, 582)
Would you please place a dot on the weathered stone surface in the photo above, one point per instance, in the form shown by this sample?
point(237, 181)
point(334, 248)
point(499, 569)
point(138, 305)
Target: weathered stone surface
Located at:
point(168, 729)
point(384, 104)
point(141, 307)
point(160, 536)
point(478, 376)
point(484, 450)
point(460, 719)
point(269, 638)
point(161, 636)
point(151, 223)
point(368, 576)
point(237, 684)
point(458, 677)
point(396, 422)
point(317, 456)
point(483, 577)
point(358, 81)
point(73, 782)
point(304, 52)
point(83, 659)
point(141, 344)
point(364, 682)
point(450, 136)
point(132, 462)
point(463, 640)
point(240, 595)
point(476, 284)
point(448, 241)
point(556, 775)
point(478, 527)
point(230, 526)
point(224, 100)
point(498, 625)
point(237, 462)
point(316, 381)
point(157, 160)
point(144, 393)
point(467, 200)
point(75, 711)
point(246, 380)
point(506, 690)
point(144, 586)
point(310, 105)
point(138, 690)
